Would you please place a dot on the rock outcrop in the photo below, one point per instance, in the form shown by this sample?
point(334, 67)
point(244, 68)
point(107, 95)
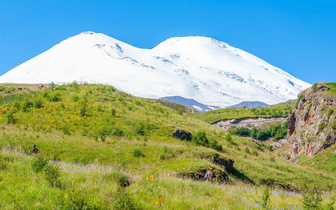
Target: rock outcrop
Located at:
point(311, 126)
point(182, 135)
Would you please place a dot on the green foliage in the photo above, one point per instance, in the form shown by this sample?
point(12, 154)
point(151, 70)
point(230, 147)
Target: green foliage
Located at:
point(265, 197)
point(276, 131)
point(247, 150)
point(333, 126)
point(311, 199)
point(38, 164)
point(120, 178)
point(321, 126)
point(52, 175)
point(330, 112)
point(82, 109)
point(314, 88)
point(200, 138)
point(113, 112)
point(236, 113)
point(179, 111)
point(139, 128)
point(215, 145)
point(301, 97)
point(26, 105)
point(10, 119)
point(123, 200)
point(53, 97)
point(38, 103)
point(255, 153)
point(332, 85)
point(137, 153)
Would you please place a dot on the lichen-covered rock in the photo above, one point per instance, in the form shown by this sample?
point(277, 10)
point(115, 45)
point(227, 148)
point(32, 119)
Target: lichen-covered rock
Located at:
point(310, 125)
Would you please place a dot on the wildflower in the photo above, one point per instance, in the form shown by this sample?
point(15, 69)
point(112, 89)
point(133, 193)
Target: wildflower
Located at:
point(161, 200)
point(156, 202)
point(66, 196)
point(147, 178)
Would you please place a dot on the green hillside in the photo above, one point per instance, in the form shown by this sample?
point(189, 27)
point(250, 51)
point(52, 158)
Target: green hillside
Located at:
point(104, 149)
point(281, 110)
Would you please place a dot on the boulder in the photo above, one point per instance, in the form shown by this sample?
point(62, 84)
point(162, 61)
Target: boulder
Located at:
point(182, 135)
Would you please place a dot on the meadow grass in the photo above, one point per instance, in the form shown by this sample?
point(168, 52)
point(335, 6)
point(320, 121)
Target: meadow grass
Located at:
point(127, 158)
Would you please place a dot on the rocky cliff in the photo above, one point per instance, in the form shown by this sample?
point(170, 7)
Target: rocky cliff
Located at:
point(312, 126)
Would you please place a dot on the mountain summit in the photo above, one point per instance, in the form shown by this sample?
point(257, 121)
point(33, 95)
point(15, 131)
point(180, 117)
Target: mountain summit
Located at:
point(204, 69)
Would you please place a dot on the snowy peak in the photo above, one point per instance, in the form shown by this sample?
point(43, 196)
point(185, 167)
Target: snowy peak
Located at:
point(199, 68)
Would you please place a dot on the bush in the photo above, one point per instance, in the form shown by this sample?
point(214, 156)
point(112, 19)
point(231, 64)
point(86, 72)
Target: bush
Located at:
point(265, 197)
point(82, 110)
point(139, 128)
point(228, 137)
point(10, 119)
point(255, 153)
point(137, 153)
point(311, 199)
point(123, 200)
point(214, 145)
point(121, 179)
point(322, 126)
point(179, 111)
point(54, 97)
point(200, 138)
point(113, 112)
point(38, 164)
point(247, 150)
point(52, 175)
point(38, 103)
point(25, 105)
point(330, 112)
point(333, 126)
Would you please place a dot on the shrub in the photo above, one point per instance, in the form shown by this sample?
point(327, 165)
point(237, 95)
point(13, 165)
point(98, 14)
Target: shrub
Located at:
point(75, 98)
point(265, 197)
point(247, 150)
point(330, 112)
point(121, 179)
point(54, 97)
point(82, 110)
point(139, 128)
point(200, 138)
point(52, 175)
point(228, 137)
point(214, 145)
point(255, 153)
point(10, 119)
point(137, 153)
point(117, 132)
point(38, 164)
point(38, 103)
point(179, 111)
point(333, 126)
point(311, 199)
point(17, 105)
point(322, 126)
point(26, 104)
point(123, 200)
point(113, 112)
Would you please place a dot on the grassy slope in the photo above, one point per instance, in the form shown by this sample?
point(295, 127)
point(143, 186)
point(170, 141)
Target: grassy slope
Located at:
point(62, 134)
point(236, 113)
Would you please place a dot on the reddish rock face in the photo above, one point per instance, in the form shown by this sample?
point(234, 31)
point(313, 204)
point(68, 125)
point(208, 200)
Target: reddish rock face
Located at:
point(310, 124)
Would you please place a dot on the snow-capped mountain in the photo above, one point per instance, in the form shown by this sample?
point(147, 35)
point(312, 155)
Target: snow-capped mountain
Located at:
point(206, 70)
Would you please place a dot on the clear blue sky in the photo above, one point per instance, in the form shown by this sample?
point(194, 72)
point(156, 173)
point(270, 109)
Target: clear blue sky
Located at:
point(297, 36)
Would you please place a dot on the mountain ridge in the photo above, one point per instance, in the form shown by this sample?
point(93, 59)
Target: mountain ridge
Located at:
point(200, 68)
